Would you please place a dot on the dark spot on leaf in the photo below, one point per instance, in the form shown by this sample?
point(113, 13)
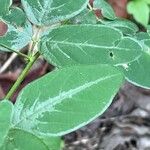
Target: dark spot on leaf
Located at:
point(111, 54)
point(3, 28)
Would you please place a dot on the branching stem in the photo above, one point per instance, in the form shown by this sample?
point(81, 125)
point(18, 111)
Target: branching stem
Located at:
point(19, 53)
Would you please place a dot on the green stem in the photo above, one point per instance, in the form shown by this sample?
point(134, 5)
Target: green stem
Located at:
point(19, 53)
point(22, 76)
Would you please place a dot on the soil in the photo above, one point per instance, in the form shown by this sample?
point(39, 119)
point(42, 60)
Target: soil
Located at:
point(124, 126)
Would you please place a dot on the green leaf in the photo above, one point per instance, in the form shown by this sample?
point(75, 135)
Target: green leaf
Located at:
point(47, 12)
point(55, 104)
point(85, 17)
point(142, 36)
point(13, 17)
point(147, 1)
point(53, 143)
point(6, 110)
point(88, 44)
point(21, 140)
point(19, 31)
point(14, 139)
point(106, 9)
point(5, 4)
point(125, 26)
point(140, 11)
point(138, 72)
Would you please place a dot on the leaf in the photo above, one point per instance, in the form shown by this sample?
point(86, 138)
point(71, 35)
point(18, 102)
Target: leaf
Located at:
point(21, 140)
point(47, 12)
point(53, 143)
point(125, 26)
point(55, 104)
point(85, 17)
point(147, 1)
point(106, 9)
point(19, 31)
point(136, 8)
point(88, 44)
point(11, 139)
point(13, 17)
point(6, 110)
point(138, 72)
point(5, 4)
point(142, 36)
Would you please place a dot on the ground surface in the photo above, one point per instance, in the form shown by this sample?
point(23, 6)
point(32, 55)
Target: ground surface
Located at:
point(124, 126)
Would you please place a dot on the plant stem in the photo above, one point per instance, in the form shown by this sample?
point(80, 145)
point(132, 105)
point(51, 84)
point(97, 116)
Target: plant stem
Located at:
point(22, 76)
point(19, 53)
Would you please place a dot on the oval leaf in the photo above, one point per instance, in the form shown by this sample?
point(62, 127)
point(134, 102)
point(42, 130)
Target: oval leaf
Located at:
point(53, 143)
point(138, 72)
point(5, 4)
point(125, 26)
point(6, 110)
point(88, 44)
point(19, 31)
point(55, 104)
point(147, 1)
point(106, 9)
point(46, 12)
point(15, 17)
point(21, 140)
point(85, 17)
point(136, 9)
point(142, 36)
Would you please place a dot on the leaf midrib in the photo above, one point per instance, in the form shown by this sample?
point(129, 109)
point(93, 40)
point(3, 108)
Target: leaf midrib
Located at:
point(90, 45)
point(58, 99)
